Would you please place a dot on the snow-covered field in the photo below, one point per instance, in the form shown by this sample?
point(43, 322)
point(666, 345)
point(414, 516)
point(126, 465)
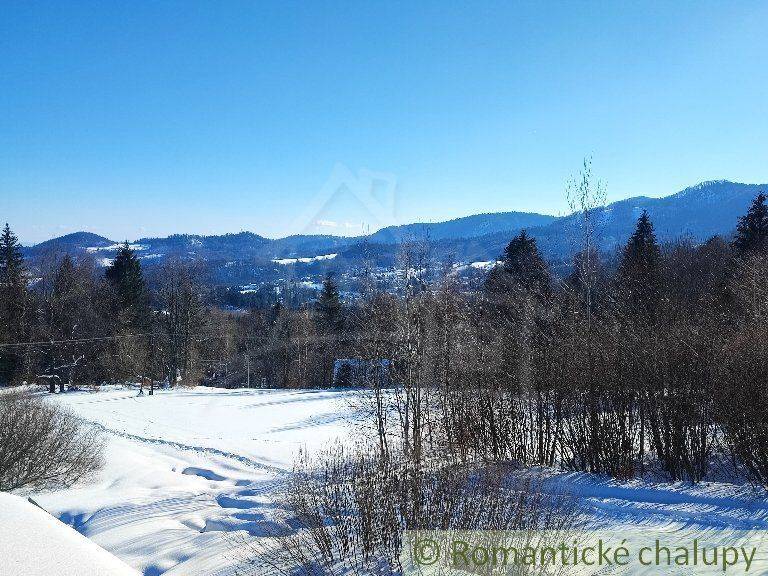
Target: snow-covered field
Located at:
point(186, 469)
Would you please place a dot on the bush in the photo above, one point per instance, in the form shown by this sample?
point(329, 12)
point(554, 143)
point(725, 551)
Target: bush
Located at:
point(743, 405)
point(349, 512)
point(42, 445)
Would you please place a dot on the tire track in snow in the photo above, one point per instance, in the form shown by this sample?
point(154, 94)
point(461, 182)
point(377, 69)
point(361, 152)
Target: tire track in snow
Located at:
point(187, 447)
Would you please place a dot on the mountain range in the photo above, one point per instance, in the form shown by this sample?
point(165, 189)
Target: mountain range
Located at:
point(696, 213)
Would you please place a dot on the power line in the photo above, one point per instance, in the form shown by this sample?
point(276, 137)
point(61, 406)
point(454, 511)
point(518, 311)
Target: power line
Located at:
point(197, 336)
point(73, 341)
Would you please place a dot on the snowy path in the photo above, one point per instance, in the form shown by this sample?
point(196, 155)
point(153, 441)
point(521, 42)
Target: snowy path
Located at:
point(188, 469)
point(199, 449)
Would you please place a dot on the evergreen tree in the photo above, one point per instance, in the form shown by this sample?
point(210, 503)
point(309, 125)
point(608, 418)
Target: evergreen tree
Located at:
point(752, 230)
point(640, 268)
point(329, 306)
point(522, 266)
point(11, 260)
point(13, 301)
point(127, 279)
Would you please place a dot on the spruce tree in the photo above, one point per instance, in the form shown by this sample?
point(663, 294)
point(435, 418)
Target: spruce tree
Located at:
point(11, 260)
point(639, 271)
point(329, 306)
point(13, 299)
point(522, 266)
point(752, 229)
point(126, 277)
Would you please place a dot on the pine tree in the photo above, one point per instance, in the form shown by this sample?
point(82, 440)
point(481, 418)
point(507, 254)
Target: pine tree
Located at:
point(13, 300)
point(522, 266)
point(639, 271)
point(64, 280)
point(127, 279)
point(329, 306)
point(752, 229)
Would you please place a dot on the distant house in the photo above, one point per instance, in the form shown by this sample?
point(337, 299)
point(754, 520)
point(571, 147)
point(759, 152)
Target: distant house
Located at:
point(358, 372)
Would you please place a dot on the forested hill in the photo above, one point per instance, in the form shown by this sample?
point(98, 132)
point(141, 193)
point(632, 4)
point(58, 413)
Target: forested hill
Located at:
point(698, 213)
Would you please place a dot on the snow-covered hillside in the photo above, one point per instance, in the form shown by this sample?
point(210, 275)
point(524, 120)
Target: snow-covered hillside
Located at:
point(186, 469)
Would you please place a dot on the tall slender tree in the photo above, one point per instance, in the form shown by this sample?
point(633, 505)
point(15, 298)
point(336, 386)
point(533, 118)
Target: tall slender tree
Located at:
point(13, 304)
point(329, 309)
point(126, 277)
point(752, 229)
point(183, 319)
point(640, 269)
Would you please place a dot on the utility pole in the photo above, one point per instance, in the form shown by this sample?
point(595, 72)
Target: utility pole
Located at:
point(248, 369)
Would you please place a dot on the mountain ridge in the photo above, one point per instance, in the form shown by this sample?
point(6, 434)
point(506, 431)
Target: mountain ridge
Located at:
point(696, 212)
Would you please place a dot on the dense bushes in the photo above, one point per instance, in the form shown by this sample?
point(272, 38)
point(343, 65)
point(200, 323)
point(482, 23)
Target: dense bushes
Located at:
point(658, 367)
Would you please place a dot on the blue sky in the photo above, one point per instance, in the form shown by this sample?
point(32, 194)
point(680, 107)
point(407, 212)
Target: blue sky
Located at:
point(150, 118)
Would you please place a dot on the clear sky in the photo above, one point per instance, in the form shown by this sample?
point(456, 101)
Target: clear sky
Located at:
point(149, 118)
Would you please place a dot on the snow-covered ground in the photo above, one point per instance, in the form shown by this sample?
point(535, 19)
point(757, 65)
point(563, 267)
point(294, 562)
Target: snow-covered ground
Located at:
point(34, 543)
point(306, 260)
point(186, 469)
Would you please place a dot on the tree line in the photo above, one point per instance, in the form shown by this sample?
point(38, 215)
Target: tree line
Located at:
point(77, 323)
point(650, 360)
point(654, 363)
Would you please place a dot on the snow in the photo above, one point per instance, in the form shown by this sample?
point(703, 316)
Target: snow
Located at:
point(189, 470)
point(115, 247)
point(484, 265)
point(34, 543)
point(287, 261)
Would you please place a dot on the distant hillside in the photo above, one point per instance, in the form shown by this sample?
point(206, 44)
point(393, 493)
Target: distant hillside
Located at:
point(72, 244)
point(466, 227)
point(697, 212)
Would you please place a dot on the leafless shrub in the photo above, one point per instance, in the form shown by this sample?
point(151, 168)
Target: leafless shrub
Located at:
point(43, 445)
point(744, 407)
point(741, 391)
point(350, 511)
